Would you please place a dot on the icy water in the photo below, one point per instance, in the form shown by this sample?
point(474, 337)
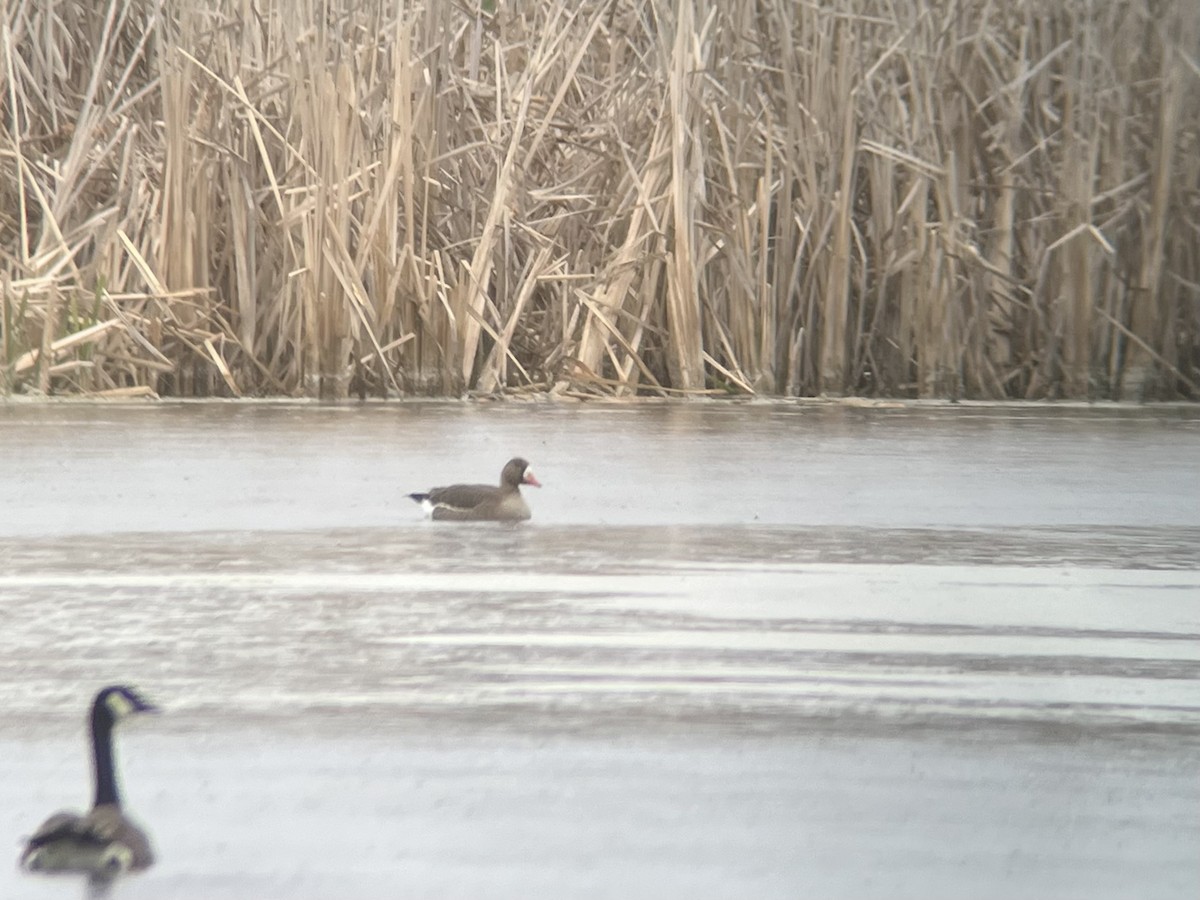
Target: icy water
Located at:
point(740, 650)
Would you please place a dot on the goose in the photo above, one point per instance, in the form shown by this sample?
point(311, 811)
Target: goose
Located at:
point(104, 843)
point(482, 502)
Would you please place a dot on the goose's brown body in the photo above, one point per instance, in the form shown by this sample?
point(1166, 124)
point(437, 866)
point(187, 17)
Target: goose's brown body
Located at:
point(105, 841)
point(482, 502)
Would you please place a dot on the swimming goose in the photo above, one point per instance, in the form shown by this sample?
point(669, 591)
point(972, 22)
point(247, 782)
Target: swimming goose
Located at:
point(103, 843)
point(482, 502)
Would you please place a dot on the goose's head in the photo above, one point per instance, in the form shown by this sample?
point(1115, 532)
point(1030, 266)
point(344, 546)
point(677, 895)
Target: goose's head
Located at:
point(117, 702)
point(517, 472)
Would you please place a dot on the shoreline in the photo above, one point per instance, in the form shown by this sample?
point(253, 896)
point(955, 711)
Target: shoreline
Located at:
point(29, 400)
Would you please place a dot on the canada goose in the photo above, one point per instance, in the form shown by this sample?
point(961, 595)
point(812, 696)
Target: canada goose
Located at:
point(482, 502)
point(103, 843)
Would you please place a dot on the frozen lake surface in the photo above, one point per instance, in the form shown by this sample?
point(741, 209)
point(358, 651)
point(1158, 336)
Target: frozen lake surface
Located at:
point(740, 650)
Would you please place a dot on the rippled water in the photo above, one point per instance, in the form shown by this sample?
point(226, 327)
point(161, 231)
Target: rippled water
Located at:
point(749, 650)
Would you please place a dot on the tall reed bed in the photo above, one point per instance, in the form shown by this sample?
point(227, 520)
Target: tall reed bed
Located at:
point(606, 197)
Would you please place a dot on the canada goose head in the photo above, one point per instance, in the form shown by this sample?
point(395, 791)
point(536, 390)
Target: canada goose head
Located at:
point(117, 702)
point(517, 472)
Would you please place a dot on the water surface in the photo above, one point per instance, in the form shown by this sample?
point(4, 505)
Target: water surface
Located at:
point(741, 650)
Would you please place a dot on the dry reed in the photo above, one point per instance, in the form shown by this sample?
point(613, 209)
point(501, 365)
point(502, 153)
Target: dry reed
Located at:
point(325, 197)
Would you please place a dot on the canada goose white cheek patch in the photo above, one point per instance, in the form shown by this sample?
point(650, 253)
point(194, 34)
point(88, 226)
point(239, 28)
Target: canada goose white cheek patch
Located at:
point(120, 705)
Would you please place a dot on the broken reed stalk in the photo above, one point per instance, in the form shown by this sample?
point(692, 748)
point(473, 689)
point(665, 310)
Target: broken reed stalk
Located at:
point(664, 197)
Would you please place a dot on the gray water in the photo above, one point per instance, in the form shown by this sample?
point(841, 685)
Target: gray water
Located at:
point(740, 650)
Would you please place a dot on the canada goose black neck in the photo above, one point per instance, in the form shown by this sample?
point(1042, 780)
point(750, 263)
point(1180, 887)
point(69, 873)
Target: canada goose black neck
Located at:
point(102, 752)
point(111, 704)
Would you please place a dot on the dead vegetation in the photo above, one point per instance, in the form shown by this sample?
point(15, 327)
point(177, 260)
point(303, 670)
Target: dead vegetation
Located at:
point(628, 197)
